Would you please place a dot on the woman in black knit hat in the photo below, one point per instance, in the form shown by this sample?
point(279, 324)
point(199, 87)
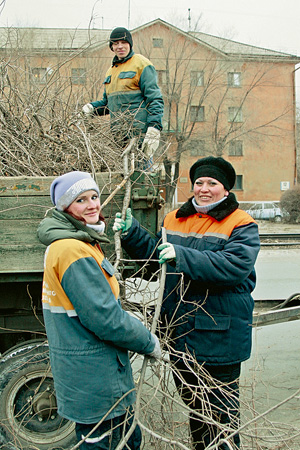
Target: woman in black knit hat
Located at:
point(211, 249)
point(131, 94)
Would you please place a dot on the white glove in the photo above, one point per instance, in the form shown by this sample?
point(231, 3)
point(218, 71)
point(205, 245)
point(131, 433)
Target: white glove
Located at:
point(88, 109)
point(122, 225)
point(151, 141)
point(156, 352)
point(167, 252)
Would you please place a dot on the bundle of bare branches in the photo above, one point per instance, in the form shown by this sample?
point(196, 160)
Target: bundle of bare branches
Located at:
point(43, 131)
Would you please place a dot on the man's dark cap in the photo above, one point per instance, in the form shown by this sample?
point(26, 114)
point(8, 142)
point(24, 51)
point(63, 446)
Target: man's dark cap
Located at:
point(120, 34)
point(214, 167)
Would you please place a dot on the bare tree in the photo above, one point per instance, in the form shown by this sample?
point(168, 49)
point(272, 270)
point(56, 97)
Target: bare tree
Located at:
point(42, 129)
point(204, 108)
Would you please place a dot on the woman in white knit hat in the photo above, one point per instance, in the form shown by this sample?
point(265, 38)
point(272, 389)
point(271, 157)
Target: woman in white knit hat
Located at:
point(89, 333)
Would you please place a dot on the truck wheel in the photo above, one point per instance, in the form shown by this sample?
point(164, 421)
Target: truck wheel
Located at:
point(277, 219)
point(28, 410)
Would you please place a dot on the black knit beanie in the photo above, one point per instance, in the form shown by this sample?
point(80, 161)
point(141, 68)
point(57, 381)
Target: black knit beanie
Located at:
point(214, 167)
point(120, 34)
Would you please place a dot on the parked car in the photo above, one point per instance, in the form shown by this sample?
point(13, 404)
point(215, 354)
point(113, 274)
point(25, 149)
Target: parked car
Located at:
point(267, 211)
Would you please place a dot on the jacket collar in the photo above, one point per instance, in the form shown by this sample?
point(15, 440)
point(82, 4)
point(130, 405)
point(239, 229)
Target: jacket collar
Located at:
point(219, 212)
point(116, 60)
point(63, 226)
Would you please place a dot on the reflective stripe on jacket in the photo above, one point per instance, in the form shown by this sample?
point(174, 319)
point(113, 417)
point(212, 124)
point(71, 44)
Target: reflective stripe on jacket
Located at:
point(130, 87)
point(207, 299)
point(89, 333)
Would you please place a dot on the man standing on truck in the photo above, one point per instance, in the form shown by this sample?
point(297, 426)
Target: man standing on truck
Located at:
point(131, 95)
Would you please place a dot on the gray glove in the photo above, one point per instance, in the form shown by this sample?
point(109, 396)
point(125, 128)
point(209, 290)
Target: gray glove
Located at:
point(88, 109)
point(156, 352)
point(151, 141)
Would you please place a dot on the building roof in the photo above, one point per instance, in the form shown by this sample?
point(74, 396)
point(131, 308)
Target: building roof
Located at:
point(77, 38)
point(52, 38)
point(237, 48)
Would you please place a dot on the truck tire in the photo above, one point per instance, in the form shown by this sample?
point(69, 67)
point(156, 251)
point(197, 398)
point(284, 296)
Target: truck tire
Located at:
point(28, 412)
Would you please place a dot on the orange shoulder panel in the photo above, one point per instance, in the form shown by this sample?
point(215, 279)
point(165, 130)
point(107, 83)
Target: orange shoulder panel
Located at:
point(202, 223)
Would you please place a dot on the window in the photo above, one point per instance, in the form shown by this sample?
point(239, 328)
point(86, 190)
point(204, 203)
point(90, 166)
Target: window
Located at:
point(234, 79)
point(161, 76)
point(235, 114)
point(197, 78)
point(197, 147)
point(39, 74)
point(235, 148)
point(78, 76)
point(197, 113)
point(238, 186)
point(157, 42)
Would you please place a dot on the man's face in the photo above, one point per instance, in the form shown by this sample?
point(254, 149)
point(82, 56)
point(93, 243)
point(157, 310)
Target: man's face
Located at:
point(121, 49)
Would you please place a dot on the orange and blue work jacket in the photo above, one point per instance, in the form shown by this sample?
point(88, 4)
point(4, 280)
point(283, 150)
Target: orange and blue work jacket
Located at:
point(89, 333)
point(130, 87)
point(207, 298)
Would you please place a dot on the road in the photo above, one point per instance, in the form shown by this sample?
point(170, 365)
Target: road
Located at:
point(278, 273)
point(272, 373)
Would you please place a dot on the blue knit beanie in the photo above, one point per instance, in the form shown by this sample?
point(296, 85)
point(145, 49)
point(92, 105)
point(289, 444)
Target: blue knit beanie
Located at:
point(66, 188)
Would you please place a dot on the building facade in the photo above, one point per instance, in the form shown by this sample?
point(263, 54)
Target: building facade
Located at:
point(222, 97)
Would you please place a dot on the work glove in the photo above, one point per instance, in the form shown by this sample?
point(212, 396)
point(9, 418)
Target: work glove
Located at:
point(156, 352)
point(167, 252)
point(121, 224)
point(88, 109)
point(151, 141)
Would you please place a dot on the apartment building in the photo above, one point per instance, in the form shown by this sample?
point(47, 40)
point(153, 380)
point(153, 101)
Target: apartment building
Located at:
point(222, 97)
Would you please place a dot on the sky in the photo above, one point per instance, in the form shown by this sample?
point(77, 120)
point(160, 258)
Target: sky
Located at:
point(272, 24)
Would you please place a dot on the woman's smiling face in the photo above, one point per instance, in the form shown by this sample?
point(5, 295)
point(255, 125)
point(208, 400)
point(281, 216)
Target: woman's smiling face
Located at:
point(86, 207)
point(208, 190)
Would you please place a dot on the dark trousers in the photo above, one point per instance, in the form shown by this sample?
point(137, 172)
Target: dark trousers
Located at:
point(108, 435)
point(218, 399)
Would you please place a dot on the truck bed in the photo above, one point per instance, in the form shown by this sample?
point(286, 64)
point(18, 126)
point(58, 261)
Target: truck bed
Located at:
point(24, 202)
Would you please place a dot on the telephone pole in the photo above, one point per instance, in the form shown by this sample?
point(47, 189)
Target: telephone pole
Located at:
point(128, 15)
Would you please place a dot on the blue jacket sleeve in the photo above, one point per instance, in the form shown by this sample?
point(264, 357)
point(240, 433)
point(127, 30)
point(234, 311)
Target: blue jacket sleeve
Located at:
point(153, 97)
point(227, 267)
point(139, 245)
point(99, 311)
point(100, 106)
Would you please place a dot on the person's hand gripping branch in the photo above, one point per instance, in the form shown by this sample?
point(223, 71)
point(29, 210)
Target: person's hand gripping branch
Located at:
point(88, 110)
point(166, 253)
point(151, 141)
point(123, 225)
point(156, 352)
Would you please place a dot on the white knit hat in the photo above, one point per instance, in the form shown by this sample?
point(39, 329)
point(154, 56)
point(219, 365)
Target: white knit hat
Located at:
point(66, 188)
